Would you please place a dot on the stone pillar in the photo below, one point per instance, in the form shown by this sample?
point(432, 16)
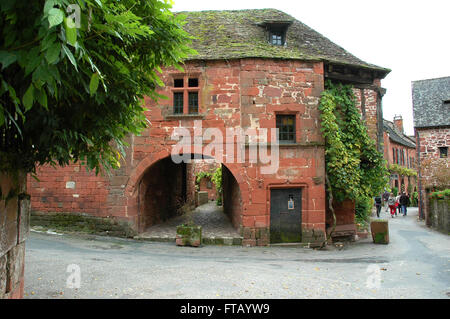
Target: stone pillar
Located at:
point(14, 229)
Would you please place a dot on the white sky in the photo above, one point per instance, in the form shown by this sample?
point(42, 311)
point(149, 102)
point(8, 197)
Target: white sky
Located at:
point(412, 38)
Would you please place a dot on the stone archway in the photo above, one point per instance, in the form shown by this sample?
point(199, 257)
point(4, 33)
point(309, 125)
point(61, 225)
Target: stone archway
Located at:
point(157, 189)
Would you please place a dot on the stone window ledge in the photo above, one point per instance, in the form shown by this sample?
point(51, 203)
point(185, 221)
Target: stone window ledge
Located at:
point(184, 117)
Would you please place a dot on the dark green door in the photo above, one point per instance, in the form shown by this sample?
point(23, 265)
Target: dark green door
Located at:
point(286, 215)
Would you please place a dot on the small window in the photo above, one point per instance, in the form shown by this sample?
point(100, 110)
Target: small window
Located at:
point(443, 151)
point(178, 102)
point(178, 83)
point(186, 95)
point(193, 83)
point(286, 127)
point(276, 38)
point(193, 102)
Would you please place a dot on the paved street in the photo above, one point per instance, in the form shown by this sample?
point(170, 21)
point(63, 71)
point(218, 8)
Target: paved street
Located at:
point(210, 216)
point(416, 264)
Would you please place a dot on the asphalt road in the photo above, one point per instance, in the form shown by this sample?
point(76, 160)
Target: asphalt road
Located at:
point(416, 264)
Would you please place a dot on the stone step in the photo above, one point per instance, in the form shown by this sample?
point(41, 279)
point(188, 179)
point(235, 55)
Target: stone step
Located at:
point(225, 241)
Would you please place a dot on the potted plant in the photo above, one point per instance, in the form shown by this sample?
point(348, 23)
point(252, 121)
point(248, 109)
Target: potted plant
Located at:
point(188, 234)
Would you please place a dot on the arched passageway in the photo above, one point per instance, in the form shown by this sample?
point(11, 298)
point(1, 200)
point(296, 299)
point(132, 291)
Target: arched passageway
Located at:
point(167, 191)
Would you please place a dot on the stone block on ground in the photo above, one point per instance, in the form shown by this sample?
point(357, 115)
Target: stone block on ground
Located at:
point(189, 236)
point(380, 231)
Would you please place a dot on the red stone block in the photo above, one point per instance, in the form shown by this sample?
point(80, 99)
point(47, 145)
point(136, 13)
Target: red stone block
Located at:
point(248, 221)
point(272, 92)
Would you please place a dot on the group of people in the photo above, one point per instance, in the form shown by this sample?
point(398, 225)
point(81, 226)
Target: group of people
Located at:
point(394, 203)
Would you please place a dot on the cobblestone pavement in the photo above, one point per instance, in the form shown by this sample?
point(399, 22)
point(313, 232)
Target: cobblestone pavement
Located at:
point(415, 264)
point(210, 216)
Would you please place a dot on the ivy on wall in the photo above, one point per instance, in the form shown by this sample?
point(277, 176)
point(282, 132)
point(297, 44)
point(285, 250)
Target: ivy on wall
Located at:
point(354, 167)
point(403, 171)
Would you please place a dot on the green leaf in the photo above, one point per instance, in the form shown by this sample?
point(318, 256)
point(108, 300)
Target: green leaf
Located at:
point(28, 97)
point(70, 56)
point(71, 33)
point(2, 117)
point(48, 6)
point(55, 17)
point(52, 53)
point(93, 85)
point(33, 60)
point(42, 98)
point(6, 58)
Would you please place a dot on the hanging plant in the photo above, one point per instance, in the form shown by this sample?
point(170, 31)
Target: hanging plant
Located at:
point(403, 171)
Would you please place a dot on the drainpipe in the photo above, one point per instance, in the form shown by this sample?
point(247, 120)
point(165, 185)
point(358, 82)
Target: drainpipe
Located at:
point(419, 176)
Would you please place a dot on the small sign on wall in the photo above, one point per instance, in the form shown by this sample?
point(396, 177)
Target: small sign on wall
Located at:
point(291, 205)
point(70, 185)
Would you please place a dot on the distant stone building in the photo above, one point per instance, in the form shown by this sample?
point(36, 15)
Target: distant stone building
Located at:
point(400, 149)
point(255, 70)
point(431, 106)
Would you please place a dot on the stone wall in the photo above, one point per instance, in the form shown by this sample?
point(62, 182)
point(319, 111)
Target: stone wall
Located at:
point(14, 228)
point(434, 171)
point(246, 94)
point(367, 103)
point(439, 214)
point(431, 139)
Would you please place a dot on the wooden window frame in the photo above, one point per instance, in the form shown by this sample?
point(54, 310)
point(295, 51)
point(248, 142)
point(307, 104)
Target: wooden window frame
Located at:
point(186, 90)
point(294, 116)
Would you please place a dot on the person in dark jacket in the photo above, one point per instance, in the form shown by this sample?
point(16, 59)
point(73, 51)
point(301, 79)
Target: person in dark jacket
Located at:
point(404, 202)
point(378, 203)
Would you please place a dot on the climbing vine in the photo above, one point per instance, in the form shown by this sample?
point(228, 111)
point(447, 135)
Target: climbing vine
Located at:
point(353, 165)
point(403, 171)
point(201, 175)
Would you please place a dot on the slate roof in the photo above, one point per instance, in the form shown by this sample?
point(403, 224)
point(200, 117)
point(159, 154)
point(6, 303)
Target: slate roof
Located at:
point(428, 102)
point(396, 135)
point(235, 34)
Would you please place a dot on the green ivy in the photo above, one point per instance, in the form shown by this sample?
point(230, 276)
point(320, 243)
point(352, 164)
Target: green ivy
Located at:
point(354, 166)
point(363, 211)
point(217, 180)
point(201, 175)
point(403, 171)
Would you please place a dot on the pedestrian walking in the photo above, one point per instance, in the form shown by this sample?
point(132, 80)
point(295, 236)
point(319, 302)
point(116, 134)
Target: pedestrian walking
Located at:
point(391, 204)
point(404, 202)
point(397, 204)
point(385, 199)
point(378, 203)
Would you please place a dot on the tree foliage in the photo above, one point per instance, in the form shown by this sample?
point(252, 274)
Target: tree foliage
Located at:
point(71, 86)
point(354, 166)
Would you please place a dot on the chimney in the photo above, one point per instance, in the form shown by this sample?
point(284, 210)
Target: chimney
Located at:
point(398, 122)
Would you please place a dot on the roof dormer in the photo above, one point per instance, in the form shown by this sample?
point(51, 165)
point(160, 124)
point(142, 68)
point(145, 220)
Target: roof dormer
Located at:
point(276, 31)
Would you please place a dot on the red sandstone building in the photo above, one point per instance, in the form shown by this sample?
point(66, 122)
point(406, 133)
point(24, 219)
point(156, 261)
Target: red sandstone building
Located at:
point(431, 105)
point(255, 69)
point(400, 149)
